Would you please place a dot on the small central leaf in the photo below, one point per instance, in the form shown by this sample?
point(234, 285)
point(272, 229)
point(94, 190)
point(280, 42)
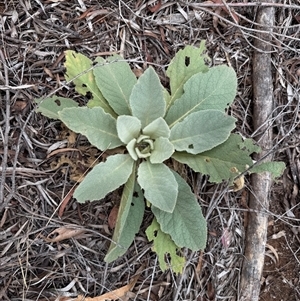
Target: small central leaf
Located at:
point(128, 128)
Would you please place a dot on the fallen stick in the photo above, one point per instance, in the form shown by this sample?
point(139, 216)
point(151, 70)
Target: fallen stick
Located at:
point(261, 183)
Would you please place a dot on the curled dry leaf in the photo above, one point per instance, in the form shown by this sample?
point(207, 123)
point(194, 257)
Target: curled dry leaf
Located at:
point(226, 238)
point(19, 106)
point(154, 6)
point(273, 251)
point(63, 233)
point(112, 219)
point(117, 294)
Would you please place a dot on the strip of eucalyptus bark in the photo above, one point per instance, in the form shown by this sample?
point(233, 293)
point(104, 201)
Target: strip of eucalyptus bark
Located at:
point(256, 233)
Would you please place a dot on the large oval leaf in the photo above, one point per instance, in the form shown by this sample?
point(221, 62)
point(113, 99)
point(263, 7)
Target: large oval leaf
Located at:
point(115, 80)
point(104, 178)
point(159, 184)
point(186, 224)
point(99, 127)
point(186, 63)
point(130, 216)
point(213, 90)
point(147, 98)
point(201, 131)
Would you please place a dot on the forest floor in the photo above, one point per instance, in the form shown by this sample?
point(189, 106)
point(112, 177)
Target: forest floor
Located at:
point(38, 169)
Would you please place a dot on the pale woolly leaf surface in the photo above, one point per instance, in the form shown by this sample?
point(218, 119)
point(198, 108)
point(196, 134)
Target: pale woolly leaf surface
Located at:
point(147, 99)
point(115, 80)
point(213, 90)
point(157, 128)
point(220, 162)
point(130, 216)
point(104, 178)
point(128, 128)
point(201, 131)
point(159, 184)
point(275, 168)
point(163, 150)
point(99, 127)
point(186, 63)
point(186, 224)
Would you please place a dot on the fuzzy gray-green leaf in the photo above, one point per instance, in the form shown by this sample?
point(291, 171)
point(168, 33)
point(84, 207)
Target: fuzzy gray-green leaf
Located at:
point(128, 127)
point(115, 80)
point(186, 224)
point(213, 90)
point(186, 63)
point(223, 161)
point(201, 131)
point(104, 178)
point(159, 184)
point(157, 128)
point(163, 150)
point(99, 127)
point(147, 98)
point(130, 216)
point(50, 106)
point(79, 71)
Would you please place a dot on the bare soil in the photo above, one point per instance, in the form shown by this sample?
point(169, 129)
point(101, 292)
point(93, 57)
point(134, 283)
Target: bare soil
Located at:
point(41, 160)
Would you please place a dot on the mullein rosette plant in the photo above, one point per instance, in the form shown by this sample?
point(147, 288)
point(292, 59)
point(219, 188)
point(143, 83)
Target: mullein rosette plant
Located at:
point(150, 125)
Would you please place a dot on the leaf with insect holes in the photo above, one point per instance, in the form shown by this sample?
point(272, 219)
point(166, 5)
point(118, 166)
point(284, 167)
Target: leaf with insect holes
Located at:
point(115, 80)
point(201, 131)
point(99, 127)
point(223, 162)
point(50, 106)
point(163, 245)
point(104, 178)
point(79, 71)
point(213, 90)
point(147, 98)
point(129, 219)
point(184, 65)
point(186, 224)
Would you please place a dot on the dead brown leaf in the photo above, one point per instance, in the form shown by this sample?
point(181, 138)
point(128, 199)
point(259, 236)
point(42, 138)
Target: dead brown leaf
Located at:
point(65, 202)
point(115, 294)
point(63, 233)
point(112, 219)
point(154, 6)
